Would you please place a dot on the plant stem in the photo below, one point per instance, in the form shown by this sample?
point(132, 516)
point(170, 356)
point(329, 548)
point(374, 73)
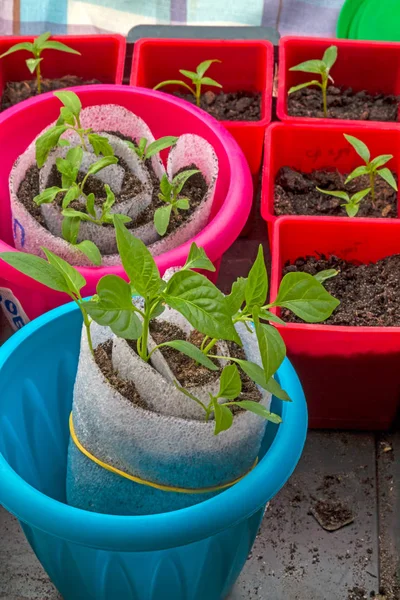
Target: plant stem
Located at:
point(86, 322)
point(39, 78)
point(324, 101)
point(81, 135)
point(210, 346)
point(372, 186)
point(143, 340)
point(203, 343)
point(198, 94)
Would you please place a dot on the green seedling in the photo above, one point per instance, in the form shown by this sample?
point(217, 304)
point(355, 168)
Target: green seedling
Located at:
point(196, 78)
point(351, 203)
point(230, 388)
point(199, 301)
point(169, 193)
point(36, 48)
point(322, 68)
point(72, 190)
point(69, 119)
point(372, 168)
point(144, 150)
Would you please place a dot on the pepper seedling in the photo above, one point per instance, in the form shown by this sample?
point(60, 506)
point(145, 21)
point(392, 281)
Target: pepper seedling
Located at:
point(36, 48)
point(169, 193)
point(199, 301)
point(372, 168)
point(351, 203)
point(69, 168)
point(230, 388)
point(69, 119)
point(322, 68)
point(197, 78)
point(144, 150)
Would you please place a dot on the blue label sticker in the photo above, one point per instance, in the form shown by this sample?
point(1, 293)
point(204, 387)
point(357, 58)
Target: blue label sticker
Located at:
point(12, 309)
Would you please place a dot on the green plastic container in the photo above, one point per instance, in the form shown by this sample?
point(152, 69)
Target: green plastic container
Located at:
point(370, 20)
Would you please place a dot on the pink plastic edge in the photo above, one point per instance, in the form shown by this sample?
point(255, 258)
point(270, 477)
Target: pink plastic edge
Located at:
point(215, 238)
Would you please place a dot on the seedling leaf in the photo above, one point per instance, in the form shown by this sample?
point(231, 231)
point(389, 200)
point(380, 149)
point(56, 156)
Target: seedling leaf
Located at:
point(193, 352)
point(386, 174)
point(305, 297)
point(359, 146)
point(230, 384)
point(198, 259)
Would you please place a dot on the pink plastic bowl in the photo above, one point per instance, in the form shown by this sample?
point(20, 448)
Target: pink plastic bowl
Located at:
point(165, 115)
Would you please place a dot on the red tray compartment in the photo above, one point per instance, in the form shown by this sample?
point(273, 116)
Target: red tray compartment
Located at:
point(350, 375)
point(102, 57)
point(310, 147)
point(361, 65)
point(246, 65)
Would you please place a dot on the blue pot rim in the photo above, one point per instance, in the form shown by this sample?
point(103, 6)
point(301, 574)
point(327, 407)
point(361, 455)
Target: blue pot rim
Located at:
point(165, 530)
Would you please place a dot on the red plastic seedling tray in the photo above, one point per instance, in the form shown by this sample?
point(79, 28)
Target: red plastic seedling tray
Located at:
point(350, 374)
point(308, 147)
point(361, 65)
point(102, 57)
point(246, 65)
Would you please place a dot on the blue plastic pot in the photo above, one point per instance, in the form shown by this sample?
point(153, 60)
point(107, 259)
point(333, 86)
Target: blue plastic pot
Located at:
point(192, 554)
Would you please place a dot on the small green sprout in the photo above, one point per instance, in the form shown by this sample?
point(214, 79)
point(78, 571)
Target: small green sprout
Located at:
point(196, 78)
point(372, 168)
point(36, 48)
point(69, 119)
point(351, 204)
point(230, 388)
point(322, 68)
point(146, 151)
point(72, 190)
point(169, 193)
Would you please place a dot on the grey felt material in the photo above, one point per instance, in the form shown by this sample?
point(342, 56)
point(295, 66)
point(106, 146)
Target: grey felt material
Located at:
point(113, 175)
point(150, 444)
point(189, 149)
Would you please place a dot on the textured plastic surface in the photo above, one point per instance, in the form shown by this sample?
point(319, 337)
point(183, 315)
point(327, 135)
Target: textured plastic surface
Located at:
point(165, 115)
point(102, 57)
point(309, 147)
point(189, 554)
point(355, 63)
point(370, 20)
point(245, 65)
point(350, 374)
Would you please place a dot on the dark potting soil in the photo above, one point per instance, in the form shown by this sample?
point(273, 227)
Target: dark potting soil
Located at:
point(195, 189)
point(131, 186)
point(103, 358)
point(344, 103)
point(28, 189)
point(332, 515)
point(232, 106)
point(369, 294)
point(189, 373)
point(16, 91)
point(295, 193)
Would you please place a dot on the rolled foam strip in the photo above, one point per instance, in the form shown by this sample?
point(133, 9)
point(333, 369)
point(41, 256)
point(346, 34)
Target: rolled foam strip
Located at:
point(155, 447)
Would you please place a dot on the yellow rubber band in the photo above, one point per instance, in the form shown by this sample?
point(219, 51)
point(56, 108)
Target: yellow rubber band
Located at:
point(158, 486)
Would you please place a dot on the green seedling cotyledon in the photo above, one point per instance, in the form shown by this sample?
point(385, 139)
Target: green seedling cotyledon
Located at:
point(373, 168)
point(169, 193)
point(320, 67)
point(144, 150)
point(42, 42)
point(197, 80)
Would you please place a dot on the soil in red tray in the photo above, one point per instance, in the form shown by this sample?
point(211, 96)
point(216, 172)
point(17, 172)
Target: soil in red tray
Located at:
point(369, 294)
point(232, 106)
point(344, 104)
point(295, 193)
point(16, 91)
